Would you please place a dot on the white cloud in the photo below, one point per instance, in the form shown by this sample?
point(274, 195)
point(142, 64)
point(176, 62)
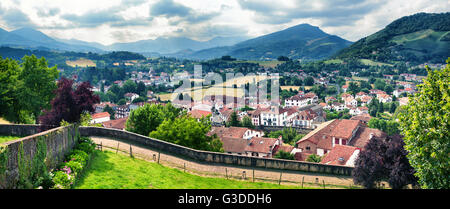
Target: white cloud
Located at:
point(109, 21)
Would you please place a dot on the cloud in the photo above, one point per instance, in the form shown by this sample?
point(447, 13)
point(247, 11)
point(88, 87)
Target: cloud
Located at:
point(43, 12)
point(15, 18)
point(178, 13)
point(93, 19)
point(347, 11)
point(169, 8)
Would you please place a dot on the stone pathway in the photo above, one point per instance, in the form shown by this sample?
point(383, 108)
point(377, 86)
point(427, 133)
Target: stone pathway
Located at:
point(224, 170)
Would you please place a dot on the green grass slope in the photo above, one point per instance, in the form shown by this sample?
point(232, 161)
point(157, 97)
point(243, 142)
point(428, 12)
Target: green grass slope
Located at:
point(116, 171)
point(418, 38)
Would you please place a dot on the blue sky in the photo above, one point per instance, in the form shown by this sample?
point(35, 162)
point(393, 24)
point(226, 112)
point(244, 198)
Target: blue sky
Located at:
point(111, 21)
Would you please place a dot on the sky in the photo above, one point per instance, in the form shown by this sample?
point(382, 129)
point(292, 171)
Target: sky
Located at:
point(113, 21)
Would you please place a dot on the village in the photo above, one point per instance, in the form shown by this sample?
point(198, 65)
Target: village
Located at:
point(335, 141)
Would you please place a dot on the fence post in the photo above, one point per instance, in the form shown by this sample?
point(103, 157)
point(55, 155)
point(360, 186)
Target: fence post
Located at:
point(131, 151)
point(158, 156)
point(226, 173)
point(117, 150)
point(303, 179)
point(185, 167)
point(253, 175)
point(323, 182)
point(101, 146)
point(279, 181)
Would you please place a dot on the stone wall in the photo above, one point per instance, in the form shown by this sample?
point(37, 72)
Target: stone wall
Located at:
point(58, 142)
point(213, 157)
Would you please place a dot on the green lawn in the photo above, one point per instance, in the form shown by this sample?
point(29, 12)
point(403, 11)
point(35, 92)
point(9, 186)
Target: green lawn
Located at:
point(4, 139)
point(117, 171)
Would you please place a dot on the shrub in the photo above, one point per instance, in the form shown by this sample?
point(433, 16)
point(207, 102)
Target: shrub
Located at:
point(63, 180)
point(75, 166)
point(86, 147)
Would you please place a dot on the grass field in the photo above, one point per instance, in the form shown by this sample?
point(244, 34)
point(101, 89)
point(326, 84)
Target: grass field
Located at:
point(373, 63)
point(81, 63)
point(219, 89)
point(4, 139)
point(290, 87)
point(117, 171)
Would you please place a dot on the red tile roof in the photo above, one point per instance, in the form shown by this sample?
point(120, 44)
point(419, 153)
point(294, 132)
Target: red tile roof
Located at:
point(261, 145)
point(362, 136)
point(199, 113)
point(236, 145)
point(339, 155)
point(100, 115)
point(344, 129)
point(233, 132)
point(116, 124)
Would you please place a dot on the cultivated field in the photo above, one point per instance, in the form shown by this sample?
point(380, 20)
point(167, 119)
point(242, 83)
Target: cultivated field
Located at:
point(81, 63)
point(218, 89)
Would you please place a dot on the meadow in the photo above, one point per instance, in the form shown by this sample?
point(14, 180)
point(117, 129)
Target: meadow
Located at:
point(109, 170)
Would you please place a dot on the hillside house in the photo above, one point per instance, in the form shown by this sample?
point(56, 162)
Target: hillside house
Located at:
point(100, 117)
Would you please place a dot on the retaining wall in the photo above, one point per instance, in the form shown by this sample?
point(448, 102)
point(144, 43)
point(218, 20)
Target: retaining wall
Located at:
point(58, 142)
point(213, 157)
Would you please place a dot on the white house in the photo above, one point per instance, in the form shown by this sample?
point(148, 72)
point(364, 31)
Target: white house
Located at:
point(100, 117)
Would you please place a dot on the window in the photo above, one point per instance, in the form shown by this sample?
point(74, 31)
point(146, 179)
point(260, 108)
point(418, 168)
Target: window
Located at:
point(336, 141)
point(308, 148)
point(344, 142)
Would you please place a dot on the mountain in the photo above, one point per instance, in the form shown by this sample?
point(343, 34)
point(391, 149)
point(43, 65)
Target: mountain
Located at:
point(173, 44)
point(299, 42)
point(33, 39)
point(419, 38)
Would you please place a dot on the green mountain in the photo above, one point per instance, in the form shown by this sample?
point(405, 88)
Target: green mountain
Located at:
point(299, 42)
point(418, 38)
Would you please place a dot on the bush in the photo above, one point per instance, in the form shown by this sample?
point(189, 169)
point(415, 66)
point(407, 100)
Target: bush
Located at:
point(75, 166)
point(62, 180)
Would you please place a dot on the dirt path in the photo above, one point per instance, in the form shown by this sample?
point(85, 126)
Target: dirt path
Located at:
point(223, 170)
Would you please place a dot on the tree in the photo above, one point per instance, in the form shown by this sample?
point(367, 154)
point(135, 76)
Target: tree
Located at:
point(314, 158)
point(247, 122)
point(111, 112)
point(36, 85)
point(233, 121)
point(68, 105)
point(147, 118)
point(353, 87)
point(284, 155)
point(309, 81)
point(288, 134)
point(283, 58)
point(187, 131)
point(388, 126)
point(425, 124)
point(384, 160)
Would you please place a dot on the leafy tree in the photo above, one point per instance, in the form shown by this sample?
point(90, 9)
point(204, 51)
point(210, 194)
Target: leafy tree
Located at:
point(425, 124)
point(309, 81)
point(9, 100)
point(284, 155)
point(111, 112)
point(288, 134)
point(69, 104)
point(147, 118)
point(233, 121)
point(247, 122)
point(353, 87)
point(36, 85)
point(283, 58)
point(383, 160)
point(388, 126)
point(187, 131)
point(314, 158)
